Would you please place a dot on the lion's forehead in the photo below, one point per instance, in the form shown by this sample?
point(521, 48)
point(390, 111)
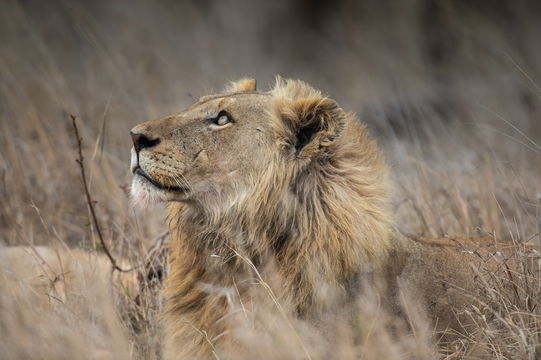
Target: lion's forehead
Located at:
point(240, 106)
point(248, 99)
point(211, 97)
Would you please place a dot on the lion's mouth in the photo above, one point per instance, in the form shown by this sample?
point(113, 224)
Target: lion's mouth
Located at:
point(142, 173)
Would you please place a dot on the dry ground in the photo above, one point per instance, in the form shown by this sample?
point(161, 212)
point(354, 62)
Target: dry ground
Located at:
point(451, 92)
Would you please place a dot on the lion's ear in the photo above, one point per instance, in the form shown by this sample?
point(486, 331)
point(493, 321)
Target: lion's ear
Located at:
point(313, 123)
point(242, 85)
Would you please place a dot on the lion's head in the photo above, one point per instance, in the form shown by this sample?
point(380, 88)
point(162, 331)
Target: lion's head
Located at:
point(205, 151)
point(222, 146)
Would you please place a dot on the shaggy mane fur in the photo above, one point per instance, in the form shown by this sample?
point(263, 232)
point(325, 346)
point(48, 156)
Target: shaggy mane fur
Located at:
point(319, 214)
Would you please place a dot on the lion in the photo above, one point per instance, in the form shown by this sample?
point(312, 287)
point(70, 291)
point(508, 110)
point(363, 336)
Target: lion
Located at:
point(284, 178)
point(49, 270)
point(56, 303)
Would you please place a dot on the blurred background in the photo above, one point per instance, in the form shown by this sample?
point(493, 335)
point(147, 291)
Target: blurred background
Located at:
point(450, 89)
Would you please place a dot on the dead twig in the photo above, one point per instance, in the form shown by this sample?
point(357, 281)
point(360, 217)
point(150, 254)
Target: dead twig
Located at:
point(80, 161)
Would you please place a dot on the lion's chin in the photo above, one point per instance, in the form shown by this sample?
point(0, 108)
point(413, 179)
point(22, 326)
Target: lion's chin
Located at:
point(143, 194)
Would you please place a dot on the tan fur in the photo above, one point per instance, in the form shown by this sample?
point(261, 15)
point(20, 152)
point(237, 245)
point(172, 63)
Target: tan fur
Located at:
point(56, 303)
point(315, 206)
point(242, 85)
point(49, 269)
point(449, 275)
point(293, 183)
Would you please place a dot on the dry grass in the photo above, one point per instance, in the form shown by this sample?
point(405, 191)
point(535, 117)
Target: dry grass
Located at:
point(450, 91)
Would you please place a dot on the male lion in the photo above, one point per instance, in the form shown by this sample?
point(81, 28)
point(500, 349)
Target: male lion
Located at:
point(283, 179)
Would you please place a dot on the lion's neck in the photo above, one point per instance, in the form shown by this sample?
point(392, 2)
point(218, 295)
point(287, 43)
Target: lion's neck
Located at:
point(314, 245)
point(233, 233)
point(312, 242)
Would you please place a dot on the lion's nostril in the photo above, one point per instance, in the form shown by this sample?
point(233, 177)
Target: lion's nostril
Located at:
point(141, 141)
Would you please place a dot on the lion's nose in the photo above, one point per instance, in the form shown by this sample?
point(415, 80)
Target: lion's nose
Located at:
point(141, 141)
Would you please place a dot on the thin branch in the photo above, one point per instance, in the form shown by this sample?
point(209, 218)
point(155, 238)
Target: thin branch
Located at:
point(80, 161)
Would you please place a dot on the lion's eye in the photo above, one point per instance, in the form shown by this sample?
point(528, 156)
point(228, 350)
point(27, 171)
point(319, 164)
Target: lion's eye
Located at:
point(222, 119)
